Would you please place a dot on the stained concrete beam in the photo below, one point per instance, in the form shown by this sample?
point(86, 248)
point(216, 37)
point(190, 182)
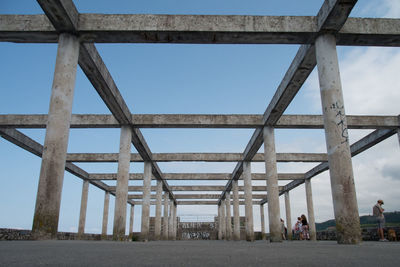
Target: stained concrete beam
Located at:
point(195, 196)
point(192, 188)
point(108, 28)
point(192, 202)
point(197, 121)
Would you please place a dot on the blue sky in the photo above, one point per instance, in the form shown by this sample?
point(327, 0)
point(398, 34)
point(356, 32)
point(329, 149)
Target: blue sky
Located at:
point(198, 79)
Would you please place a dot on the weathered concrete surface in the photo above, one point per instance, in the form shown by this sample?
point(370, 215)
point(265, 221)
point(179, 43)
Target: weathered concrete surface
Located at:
point(105, 214)
point(228, 217)
point(236, 215)
point(310, 210)
point(82, 212)
point(197, 253)
point(196, 196)
point(121, 189)
point(48, 198)
point(219, 236)
point(248, 201)
point(171, 220)
point(157, 225)
point(146, 202)
point(262, 217)
point(288, 215)
point(192, 202)
point(131, 218)
point(337, 142)
point(165, 219)
point(223, 219)
point(134, 188)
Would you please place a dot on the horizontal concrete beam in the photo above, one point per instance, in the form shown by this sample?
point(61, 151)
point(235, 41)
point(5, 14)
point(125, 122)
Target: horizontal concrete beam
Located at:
point(192, 202)
point(196, 196)
point(198, 121)
point(192, 188)
point(196, 176)
point(202, 29)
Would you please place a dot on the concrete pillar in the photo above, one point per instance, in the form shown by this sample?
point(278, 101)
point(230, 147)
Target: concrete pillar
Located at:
point(175, 222)
point(219, 222)
point(82, 214)
point(157, 226)
point(236, 216)
point(121, 196)
point(228, 218)
point(165, 220)
point(105, 215)
point(288, 215)
point(310, 211)
point(248, 200)
point(223, 219)
point(171, 220)
point(146, 201)
point(398, 129)
point(337, 143)
point(131, 221)
point(262, 222)
point(48, 198)
point(274, 216)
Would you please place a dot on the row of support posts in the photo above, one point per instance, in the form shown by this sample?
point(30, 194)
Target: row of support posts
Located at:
point(47, 208)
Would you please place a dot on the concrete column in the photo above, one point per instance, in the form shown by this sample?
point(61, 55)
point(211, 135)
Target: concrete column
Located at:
point(157, 226)
point(223, 219)
point(248, 200)
point(262, 222)
point(171, 220)
point(288, 215)
point(219, 222)
point(236, 216)
point(165, 220)
point(121, 196)
point(131, 221)
point(337, 142)
point(48, 198)
point(398, 129)
point(146, 201)
point(175, 222)
point(310, 211)
point(228, 218)
point(105, 215)
point(274, 215)
point(82, 214)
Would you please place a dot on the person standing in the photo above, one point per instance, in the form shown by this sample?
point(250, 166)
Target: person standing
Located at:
point(304, 227)
point(377, 212)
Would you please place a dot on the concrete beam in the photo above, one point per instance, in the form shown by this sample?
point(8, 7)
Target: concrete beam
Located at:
point(193, 188)
point(196, 196)
point(108, 28)
point(197, 121)
point(192, 202)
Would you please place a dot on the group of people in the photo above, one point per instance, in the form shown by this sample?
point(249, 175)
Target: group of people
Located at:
point(301, 229)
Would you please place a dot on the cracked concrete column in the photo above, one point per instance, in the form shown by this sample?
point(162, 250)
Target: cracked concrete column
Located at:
point(236, 216)
point(105, 215)
point(248, 200)
point(131, 221)
point(223, 219)
point(228, 218)
point(337, 142)
point(288, 215)
point(165, 219)
point(121, 195)
point(262, 222)
point(219, 222)
point(157, 226)
point(146, 201)
point(310, 211)
point(82, 213)
point(274, 215)
point(171, 220)
point(48, 198)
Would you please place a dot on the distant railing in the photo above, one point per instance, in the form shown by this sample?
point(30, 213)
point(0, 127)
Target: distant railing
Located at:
point(197, 218)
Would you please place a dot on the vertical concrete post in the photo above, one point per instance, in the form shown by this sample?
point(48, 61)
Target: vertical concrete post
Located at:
point(165, 220)
point(337, 142)
point(175, 222)
point(171, 220)
point(131, 221)
point(274, 215)
point(105, 215)
point(310, 211)
point(219, 222)
point(146, 201)
point(121, 196)
point(398, 128)
point(223, 219)
point(82, 213)
point(236, 216)
point(262, 222)
point(248, 200)
point(48, 198)
point(228, 218)
point(157, 226)
point(288, 215)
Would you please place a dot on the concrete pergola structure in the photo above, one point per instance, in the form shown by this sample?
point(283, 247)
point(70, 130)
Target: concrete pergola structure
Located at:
point(76, 34)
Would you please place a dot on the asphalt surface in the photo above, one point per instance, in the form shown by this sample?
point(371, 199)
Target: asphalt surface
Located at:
point(197, 253)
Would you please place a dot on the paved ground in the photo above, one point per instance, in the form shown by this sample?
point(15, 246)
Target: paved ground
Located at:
point(197, 253)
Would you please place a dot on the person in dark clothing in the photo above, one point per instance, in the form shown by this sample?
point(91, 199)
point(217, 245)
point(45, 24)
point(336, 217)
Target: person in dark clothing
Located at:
point(305, 233)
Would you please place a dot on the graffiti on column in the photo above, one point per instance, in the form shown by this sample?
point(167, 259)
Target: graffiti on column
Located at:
point(339, 109)
point(197, 230)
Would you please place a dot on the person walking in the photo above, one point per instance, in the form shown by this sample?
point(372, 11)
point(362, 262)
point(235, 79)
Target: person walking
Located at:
point(377, 212)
